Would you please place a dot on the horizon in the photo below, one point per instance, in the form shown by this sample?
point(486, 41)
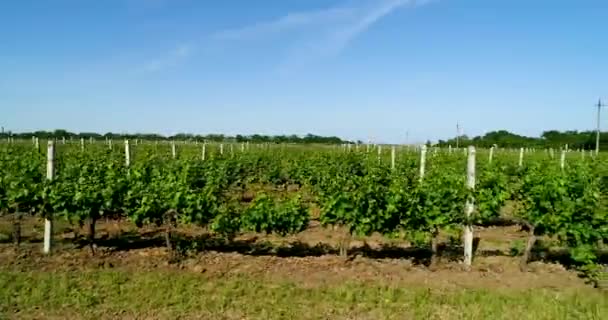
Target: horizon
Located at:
point(301, 136)
point(389, 71)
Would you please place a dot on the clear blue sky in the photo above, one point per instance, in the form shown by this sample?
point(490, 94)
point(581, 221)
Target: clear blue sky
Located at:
point(359, 69)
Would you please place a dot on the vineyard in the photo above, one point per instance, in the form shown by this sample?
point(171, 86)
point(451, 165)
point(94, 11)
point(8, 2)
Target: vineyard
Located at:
point(71, 212)
point(416, 195)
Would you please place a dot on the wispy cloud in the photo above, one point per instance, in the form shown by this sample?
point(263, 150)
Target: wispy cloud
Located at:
point(343, 35)
point(327, 32)
point(320, 33)
point(286, 23)
point(177, 55)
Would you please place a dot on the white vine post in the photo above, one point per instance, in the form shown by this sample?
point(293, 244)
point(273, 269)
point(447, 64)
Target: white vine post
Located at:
point(491, 154)
point(127, 154)
point(231, 149)
point(110, 144)
point(379, 152)
point(90, 140)
point(242, 147)
point(173, 150)
point(221, 148)
point(349, 147)
point(551, 154)
point(422, 161)
point(521, 157)
point(367, 148)
point(393, 158)
point(50, 175)
point(470, 206)
point(62, 140)
point(204, 151)
point(583, 154)
point(37, 144)
point(562, 160)
point(82, 144)
point(450, 149)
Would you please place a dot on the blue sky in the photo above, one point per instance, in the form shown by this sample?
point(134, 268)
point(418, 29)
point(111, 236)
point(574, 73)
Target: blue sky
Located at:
point(359, 69)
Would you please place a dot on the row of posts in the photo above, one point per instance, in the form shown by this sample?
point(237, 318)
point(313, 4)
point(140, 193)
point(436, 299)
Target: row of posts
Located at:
point(470, 183)
point(468, 231)
point(423, 152)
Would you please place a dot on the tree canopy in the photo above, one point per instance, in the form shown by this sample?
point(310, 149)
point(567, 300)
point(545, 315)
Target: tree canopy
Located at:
point(255, 138)
point(548, 139)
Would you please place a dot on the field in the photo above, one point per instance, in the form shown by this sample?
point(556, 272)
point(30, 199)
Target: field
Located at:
point(299, 232)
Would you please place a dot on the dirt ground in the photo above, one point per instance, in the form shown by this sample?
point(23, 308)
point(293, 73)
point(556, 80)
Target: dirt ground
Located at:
point(310, 258)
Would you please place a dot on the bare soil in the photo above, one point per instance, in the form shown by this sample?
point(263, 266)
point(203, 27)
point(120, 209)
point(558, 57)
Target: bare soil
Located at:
point(309, 258)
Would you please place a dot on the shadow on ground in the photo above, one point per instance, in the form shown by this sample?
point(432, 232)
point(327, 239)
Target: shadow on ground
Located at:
point(185, 245)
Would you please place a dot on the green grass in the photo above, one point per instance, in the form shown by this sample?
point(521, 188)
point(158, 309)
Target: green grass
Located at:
point(171, 295)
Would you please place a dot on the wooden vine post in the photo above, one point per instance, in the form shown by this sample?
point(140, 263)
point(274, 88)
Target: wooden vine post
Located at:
point(469, 208)
point(393, 151)
point(521, 157)
point(422, 161)
point(50, 175)
point(127, 154)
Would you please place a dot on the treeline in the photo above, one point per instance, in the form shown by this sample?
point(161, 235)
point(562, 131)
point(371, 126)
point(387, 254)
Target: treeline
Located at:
point(256, 138)
point(548, 139)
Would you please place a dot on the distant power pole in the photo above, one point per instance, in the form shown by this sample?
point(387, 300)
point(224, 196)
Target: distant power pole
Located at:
point(597, 133)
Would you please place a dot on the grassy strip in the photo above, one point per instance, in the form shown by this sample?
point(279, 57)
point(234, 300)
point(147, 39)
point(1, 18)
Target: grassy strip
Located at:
point(171, 295)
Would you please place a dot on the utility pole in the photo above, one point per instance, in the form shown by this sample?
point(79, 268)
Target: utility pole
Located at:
point(597, 133)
